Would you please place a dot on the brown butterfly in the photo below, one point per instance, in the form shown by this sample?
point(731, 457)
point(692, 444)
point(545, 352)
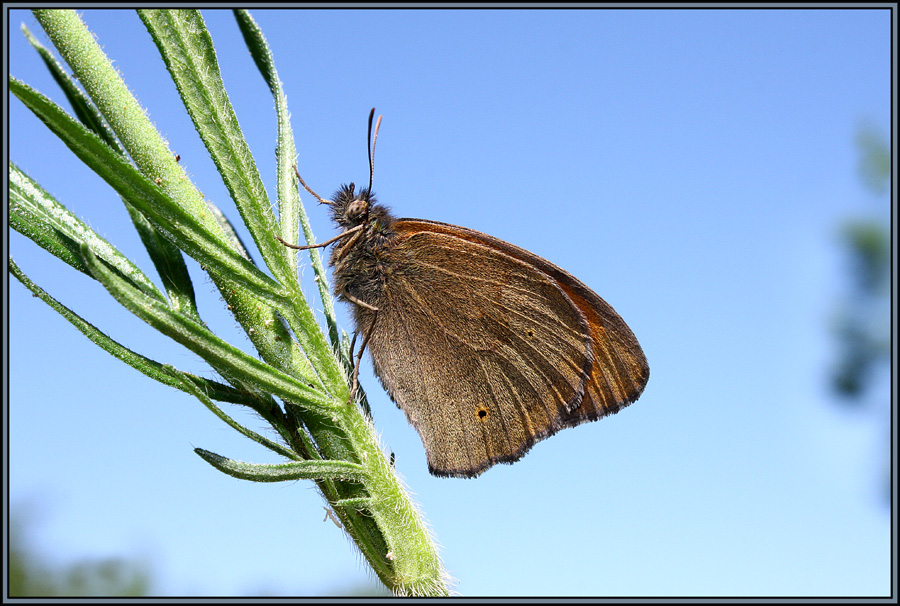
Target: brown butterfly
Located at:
point(485, 346)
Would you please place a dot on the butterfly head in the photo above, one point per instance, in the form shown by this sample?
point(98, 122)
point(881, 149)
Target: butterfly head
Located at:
point(350, 208)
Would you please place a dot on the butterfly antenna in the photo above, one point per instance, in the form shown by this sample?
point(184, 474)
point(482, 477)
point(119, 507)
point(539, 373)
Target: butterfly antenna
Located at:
point(372, 140)
point(306, 187)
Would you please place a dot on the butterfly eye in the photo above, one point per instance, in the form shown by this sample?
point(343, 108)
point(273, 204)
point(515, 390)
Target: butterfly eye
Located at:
point(356, 209)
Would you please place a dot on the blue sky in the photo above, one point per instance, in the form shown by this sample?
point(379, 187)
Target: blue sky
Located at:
point(692, 167)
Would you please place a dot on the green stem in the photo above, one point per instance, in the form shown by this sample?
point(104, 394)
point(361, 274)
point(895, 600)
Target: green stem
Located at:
point(327, 438)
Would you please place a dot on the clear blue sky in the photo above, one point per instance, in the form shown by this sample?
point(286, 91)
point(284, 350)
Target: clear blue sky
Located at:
point(692, 167)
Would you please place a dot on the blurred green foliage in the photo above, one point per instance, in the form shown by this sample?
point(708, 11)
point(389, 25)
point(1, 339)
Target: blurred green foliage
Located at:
point(30, 575)
point(862, 327)
point(875, 159)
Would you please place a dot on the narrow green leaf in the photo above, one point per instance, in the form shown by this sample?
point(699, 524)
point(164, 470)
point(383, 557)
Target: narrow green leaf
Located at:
point(230, 233)
point(150, 153)
point(285, 152)
point(290, 208)
point(169, 263)
point(218, 353)
point(121, 111)
point(284, 472)
point(37, 215)
point(262, 324)
point(272, 415)
point(187, 49)
point(184, 43)
point(166, 257)
point(81, 105)
point(151, 368)
point(187, 232)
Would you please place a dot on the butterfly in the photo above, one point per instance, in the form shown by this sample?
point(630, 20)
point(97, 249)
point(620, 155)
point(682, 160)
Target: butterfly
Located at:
point(486, 347)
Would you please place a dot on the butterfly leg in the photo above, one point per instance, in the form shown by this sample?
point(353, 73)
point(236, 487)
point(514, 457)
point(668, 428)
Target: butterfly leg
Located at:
point(323, 244)
point(306, 187)
point(355, 382)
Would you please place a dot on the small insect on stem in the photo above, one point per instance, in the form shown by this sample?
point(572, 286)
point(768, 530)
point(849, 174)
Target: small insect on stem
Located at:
point(329, 513)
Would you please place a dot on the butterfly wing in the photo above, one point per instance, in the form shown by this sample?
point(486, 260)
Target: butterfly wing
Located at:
point(485, 362)
point(619, 371)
